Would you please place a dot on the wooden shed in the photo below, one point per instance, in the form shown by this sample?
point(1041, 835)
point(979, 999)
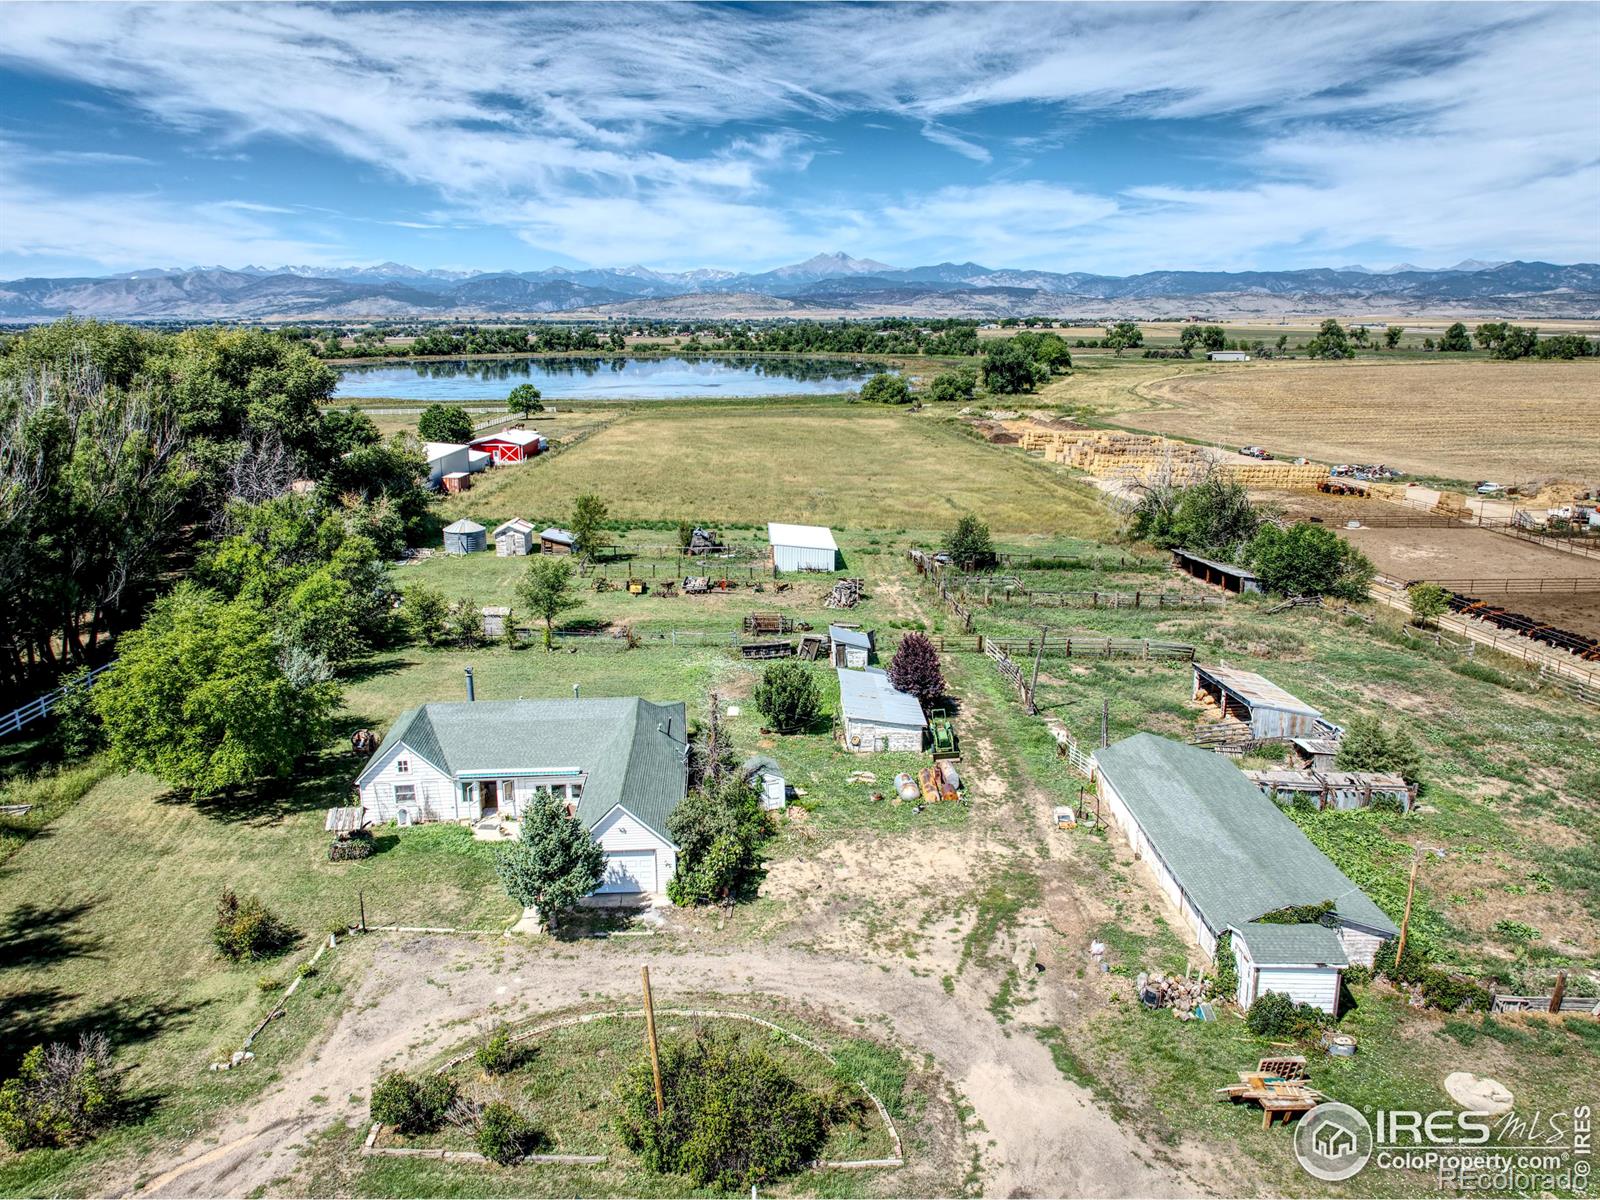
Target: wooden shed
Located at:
point(1271, 712)
point(555, 541)
point(1229, 576)
point(457, 481)
point(851, 647)
point(515, 538)
point(465, 537)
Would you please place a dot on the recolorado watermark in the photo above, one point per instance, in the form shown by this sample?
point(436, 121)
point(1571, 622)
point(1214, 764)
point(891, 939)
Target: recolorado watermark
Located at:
point(1512, 1152)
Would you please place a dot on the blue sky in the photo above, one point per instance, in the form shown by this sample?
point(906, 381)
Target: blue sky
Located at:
point(1108, 138)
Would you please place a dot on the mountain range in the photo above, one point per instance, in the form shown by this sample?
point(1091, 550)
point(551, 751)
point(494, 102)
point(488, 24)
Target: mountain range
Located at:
point(826, 285)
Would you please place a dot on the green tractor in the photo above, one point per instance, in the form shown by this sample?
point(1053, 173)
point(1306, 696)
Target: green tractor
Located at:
point(944, 735)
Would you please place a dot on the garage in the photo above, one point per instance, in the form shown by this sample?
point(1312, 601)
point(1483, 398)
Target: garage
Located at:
point(629, 871)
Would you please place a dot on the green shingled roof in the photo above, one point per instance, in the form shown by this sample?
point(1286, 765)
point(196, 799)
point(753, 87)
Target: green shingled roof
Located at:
point(1292, 945)
point(631, 750)
point(1232, 851)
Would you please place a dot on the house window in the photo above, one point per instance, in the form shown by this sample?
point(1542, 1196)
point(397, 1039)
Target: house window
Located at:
point(402, 766)
point(404, 793)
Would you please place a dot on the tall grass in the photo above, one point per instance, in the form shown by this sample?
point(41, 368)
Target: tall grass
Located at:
point(50, 794)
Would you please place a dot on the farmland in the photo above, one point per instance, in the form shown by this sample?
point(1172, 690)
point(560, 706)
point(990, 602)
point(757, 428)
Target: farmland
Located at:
point(1462, 421)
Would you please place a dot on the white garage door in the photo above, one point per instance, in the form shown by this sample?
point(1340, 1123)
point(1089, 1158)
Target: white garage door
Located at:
point(629, 871)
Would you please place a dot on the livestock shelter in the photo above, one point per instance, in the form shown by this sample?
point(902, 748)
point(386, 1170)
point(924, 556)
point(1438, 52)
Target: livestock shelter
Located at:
point(619, 766)
point(1228, 576)
point(1343, 790)
point(556, 541)
point(802, 547)
point(465, 537)
point(1314, 753)
point(445, 458)
point(851, 647)
point(510, 445)
point(1302, 962)
point(1271, 712)
point(875, 715)
point(515, 538)
point(1220, 851)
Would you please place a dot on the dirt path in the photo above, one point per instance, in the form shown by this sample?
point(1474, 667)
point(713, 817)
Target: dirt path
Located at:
point(1042, 1135)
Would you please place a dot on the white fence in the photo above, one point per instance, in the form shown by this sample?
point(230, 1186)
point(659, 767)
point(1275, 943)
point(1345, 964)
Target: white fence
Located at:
point(19, 718)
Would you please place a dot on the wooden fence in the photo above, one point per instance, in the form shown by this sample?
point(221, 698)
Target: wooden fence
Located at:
point(1073, 646)
point(1010, 672)
point(1096, 599)
point(1553, 586)
point(19, 718)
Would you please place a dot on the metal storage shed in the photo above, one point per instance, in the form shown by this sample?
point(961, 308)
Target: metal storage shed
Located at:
point(1270, 711)
point(802, 547)
point(875, 715)
point(1220, 850)
point(464, 537)
point(445, 458)
point(851, 647)
point(514, 538)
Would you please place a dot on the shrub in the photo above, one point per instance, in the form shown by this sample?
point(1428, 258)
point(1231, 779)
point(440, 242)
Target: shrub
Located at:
point(1368, 746)
point(425, 611)
point(1428, 602)
point(969, 544)
point(497, 1053)
point(411, 1105)
point(1356, 975)
point(1224, 982)
point(1309, 560)
point(886, 389)
point(1409, 970)
point(78, 730)
point(1452, 993)
point(357, 846)
point(1275, 1015)
point(787, 696)
point(954, 387)
point(1516, 931)
point(504, 1134)
point(734, 1118)
point(719, 828)
point(61, 1096)
point(247, 929)
point(915, 668)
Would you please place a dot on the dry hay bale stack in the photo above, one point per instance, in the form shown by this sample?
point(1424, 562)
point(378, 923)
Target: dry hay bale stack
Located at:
point(1273, 474)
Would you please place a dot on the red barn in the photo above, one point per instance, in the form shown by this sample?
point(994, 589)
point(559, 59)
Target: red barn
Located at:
point(510, 445)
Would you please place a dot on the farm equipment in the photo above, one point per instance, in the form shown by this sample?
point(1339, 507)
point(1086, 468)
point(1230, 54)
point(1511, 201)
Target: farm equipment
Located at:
point(783, 649)
point(637, 587)
point(944, 735)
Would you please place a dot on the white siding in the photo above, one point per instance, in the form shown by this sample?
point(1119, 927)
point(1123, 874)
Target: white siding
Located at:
point(867, 736)
point(446, 464)
point(623, 837)
point(1316, 986)
point(804, 558)
point(434, 797)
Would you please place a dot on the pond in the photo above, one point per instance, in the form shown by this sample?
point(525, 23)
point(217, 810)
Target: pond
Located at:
point(620, 378)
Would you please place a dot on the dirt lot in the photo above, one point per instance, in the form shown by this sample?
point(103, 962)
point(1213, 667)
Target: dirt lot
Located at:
point(1508, 421)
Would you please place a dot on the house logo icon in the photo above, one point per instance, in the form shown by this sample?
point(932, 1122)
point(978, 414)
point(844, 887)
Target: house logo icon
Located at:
point(1333, 1142)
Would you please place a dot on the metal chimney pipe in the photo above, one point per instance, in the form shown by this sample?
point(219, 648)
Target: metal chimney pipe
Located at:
point(574, 691)
point(471, 694)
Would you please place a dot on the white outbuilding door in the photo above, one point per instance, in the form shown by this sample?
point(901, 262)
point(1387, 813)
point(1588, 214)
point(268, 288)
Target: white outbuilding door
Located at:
point(629, 871)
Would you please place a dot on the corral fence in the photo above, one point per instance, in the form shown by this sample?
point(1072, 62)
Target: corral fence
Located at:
point(1098, 599)
point(1524, 585)
point(20, 718)
point(1009, 671)
point(1586, 545)
point(1071, 646)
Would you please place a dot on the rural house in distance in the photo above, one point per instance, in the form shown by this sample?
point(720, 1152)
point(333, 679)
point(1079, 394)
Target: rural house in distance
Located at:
point(619, 765)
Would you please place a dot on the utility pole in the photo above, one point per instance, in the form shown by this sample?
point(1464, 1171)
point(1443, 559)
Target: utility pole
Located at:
point(1033, 683)
point(1105, 721)
point(655, 1048)
point(1405, 921)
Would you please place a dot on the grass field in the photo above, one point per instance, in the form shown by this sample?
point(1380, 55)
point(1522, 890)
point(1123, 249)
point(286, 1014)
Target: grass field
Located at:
point(1477, 420)
point(845, 466)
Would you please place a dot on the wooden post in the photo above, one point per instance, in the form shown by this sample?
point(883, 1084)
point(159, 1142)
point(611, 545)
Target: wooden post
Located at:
point(1560, 992)
point(655, 1049)
point(1405, 921)
point(1105, 722)
point(1034, 682)
point(361, 902)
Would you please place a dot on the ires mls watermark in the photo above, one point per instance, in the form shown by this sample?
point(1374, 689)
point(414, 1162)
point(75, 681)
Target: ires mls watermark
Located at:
point(1542, 1153)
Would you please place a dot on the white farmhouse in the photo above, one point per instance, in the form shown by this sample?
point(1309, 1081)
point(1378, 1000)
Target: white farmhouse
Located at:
point(619, 765)
point(875, 715)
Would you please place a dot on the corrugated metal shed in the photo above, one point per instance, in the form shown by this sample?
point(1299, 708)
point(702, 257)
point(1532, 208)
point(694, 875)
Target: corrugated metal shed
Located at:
point(802, 547)
point(1271, 711)
point(869, 696)
point(859, 638)
point(1229, 576)
point(1229, 849)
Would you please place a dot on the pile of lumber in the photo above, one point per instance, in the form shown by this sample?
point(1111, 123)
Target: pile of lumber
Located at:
point(846, 594)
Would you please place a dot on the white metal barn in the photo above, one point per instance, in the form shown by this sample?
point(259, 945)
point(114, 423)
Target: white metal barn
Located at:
point(875, 715)
point(445, 458)
point(620, 766)
point(1220, 850)
point(1302, 962)
point(802, 547)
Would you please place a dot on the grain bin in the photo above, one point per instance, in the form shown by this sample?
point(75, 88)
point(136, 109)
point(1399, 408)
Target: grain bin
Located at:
point(465, 537)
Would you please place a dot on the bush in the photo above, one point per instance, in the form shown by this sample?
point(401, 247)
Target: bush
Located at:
point(734, 1118)
point(788, 697)
point(954, 387)
point(1428, 602)
point(719, 828)
point(1224, 982)
point(968, 544)
point(1368, 746)
point(424, 611)
point(1309, 560)
point(357, 846)
point(915, 668)
point(497, 1053)
point(1409, 970)
point(504, 1134)
point(1275, 1015)
point(1516, 931)
point(247, 929)
point(411, 1105)
point(78, 730)
point(1452, 993)
point(886, 389)
point(61, 1096)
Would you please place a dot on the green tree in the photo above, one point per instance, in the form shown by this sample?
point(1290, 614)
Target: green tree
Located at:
point(1368, 746)
point(954, 387)
point(787, 696)
point(524, 399)
point(78, 730)
point(1489, 334)
point(1007, 369)
point(1309, 560)
point(885, 388)
point(444, 423)
point(968, 544)
point(1124, 335)
point(200, 698)
point(1189, 338)
point(1392, 336)
point(425, 611)
point(589, 535)
point(62, 1095)
point(546, 591)
point(1358, 334)
point(1214, 517)
point(685, 536)
point(1213, 337)
point(719, 828)
point(1331, 342)
point(554, 862)
point(1428, 602)
point(1516, 341)
point(1455, 339)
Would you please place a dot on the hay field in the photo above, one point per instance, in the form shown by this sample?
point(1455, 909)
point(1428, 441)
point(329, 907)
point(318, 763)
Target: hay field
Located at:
point(1512, 422)
point(839, 466)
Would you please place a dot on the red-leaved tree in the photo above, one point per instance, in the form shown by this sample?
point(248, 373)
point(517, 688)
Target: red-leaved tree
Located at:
point(915, 668)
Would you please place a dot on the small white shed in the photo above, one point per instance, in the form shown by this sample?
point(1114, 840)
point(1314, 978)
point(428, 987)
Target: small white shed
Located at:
point(875, 715)
point(515, 538)
point(1227, 356)
point(802, 547)
point(767, 777)
point(1302, 962)
point(851, 647)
